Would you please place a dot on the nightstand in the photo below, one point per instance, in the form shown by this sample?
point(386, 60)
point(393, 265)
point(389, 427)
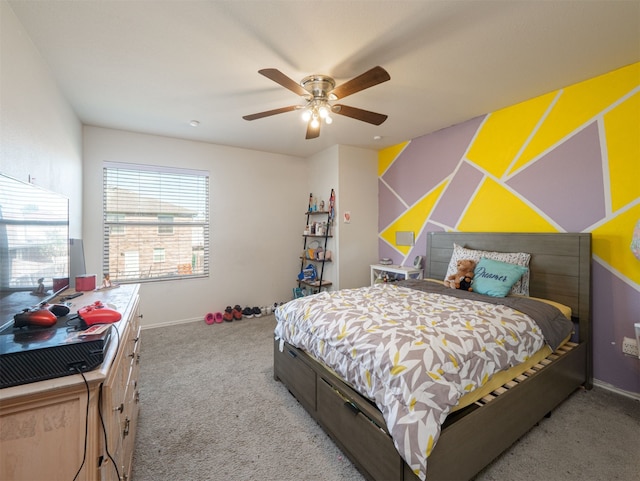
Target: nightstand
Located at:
point(406, 271)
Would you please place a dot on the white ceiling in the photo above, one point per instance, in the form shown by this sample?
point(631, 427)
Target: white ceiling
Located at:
point(153, 66)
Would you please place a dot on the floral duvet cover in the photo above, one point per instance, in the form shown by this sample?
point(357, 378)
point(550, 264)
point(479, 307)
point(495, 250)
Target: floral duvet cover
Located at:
point(413, 353)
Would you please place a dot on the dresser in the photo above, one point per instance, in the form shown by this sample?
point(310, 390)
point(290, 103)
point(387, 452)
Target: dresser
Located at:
point(76, 427)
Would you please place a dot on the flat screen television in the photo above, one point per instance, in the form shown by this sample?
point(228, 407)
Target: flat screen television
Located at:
point(34, 246)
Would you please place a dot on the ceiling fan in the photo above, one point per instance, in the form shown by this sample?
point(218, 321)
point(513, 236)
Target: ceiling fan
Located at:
point(319, 92)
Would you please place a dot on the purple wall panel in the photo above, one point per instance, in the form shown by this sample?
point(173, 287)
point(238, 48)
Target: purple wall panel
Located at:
point(456, 195)
point(385, 250)
point(567, 184)
point(389, 206)
point(419, 249)
point(429, 159)
point(615, 300)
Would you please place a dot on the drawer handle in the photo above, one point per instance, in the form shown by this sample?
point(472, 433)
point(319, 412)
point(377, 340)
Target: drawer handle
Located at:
point(127, 423)
point(352, 407)
point(292, 354)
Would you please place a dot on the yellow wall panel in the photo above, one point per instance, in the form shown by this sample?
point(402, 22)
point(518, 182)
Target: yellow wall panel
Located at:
point(612, 243)
point(531, 129)
point(414, 218)
point(388, 155)
point(622, 130)
point(577, 105)
point(504, 133)
point(496, 209)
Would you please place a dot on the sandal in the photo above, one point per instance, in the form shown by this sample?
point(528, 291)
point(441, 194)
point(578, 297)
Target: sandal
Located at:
point(228, 314)
point(217, 317)
point(237, 312)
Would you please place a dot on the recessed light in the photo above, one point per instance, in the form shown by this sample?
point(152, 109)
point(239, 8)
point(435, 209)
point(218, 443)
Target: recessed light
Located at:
point(194, 123)
point(377, 137)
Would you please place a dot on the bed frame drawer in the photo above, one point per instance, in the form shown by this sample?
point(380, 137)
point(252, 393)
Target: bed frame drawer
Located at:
point(296, 374)
point(371, 448)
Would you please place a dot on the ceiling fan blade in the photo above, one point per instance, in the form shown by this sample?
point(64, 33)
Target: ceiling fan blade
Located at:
point(359, 114)
point(372, 77)
point(268, 113)
point(312, 132)
point(280, 78)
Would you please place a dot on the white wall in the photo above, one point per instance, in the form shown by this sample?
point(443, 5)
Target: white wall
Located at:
point(40, 135)
point(353, 173)
point(358, 240)
point(256, 224)
point(257, 199)
point(322, 177)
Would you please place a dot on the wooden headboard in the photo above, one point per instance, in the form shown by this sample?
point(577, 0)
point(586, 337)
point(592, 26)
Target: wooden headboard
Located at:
point(559, 270)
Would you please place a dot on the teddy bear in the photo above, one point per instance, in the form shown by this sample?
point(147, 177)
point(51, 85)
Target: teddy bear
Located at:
point(463, 276)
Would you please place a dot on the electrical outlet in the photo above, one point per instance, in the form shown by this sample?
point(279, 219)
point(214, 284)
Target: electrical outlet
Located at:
point(630, 347)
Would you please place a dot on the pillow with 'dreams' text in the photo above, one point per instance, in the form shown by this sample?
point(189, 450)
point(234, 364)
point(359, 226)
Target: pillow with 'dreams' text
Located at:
point(521, 287)
point(496, 278)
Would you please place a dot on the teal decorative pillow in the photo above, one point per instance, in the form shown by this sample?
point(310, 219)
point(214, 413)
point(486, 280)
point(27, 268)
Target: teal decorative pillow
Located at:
point(521, 258)
point(496, 278)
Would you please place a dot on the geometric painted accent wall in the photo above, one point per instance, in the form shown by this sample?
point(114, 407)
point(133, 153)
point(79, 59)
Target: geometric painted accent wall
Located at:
point(566, 161)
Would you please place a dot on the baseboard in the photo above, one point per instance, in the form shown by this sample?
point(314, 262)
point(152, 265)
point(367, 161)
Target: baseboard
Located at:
point(170, 323)
point(609, 387)
point(183, 321)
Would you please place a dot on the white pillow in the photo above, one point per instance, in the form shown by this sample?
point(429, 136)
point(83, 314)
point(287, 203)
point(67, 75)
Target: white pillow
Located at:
point(519, 258)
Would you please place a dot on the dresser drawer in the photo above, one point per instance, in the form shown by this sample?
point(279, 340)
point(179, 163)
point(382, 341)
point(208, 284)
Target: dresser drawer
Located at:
point(370, 447)
point(297, 375)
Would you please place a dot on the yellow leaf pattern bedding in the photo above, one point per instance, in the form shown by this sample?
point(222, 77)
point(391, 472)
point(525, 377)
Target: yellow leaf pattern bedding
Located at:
point(413, 353)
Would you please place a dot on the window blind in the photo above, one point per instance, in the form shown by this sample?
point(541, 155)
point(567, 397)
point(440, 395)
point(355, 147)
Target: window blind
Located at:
point(156, 223)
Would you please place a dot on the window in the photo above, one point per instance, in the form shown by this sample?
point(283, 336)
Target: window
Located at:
point(158, 254)
point(167, 228)
point(117, 226)
point(156, 223)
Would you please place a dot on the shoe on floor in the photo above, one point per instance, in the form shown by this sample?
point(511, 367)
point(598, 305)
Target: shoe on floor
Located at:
point(257, 312)
point(247, 312)
point(228, 314)
point(218, 317)
point(237, 312)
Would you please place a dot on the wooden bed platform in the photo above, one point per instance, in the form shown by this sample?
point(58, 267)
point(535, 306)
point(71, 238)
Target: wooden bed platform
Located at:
point(560, 270)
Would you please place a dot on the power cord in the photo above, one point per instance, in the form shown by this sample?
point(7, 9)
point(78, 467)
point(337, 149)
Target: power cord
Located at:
point(86, 423)
point(115, 329)
point(104, 430)
point(77, 368)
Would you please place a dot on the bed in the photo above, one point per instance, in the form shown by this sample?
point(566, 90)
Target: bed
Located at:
point(471, 436)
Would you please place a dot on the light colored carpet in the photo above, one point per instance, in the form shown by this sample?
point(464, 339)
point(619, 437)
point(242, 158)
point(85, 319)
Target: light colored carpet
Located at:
point(211, 411)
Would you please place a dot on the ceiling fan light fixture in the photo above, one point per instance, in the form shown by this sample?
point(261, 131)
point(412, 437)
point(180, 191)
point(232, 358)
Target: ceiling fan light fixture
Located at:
point(319, 91)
